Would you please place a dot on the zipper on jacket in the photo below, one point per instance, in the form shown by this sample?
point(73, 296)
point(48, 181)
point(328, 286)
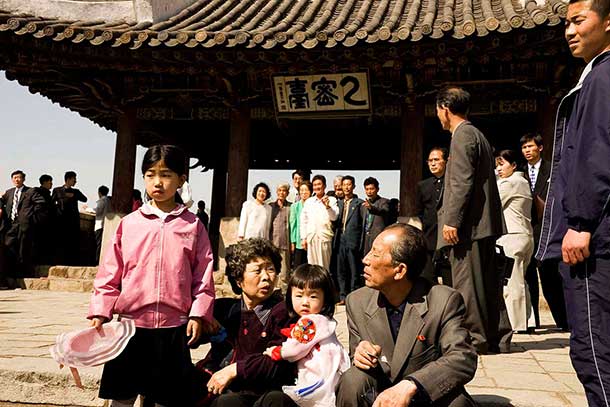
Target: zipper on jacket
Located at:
point(159, 263)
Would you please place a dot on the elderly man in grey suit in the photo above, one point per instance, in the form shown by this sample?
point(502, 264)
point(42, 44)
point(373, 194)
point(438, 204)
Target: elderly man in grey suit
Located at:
point(407, 338)
point(470, 220)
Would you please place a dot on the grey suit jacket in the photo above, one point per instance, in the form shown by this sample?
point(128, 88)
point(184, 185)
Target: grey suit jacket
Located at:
point(471, 201)
point(432, 347)
point(373, 226)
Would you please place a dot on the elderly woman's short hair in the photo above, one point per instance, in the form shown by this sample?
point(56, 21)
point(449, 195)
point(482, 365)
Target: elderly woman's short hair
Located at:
point(241, 253)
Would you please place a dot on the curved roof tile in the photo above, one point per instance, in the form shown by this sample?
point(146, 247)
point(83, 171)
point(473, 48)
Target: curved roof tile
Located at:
point(300, 23)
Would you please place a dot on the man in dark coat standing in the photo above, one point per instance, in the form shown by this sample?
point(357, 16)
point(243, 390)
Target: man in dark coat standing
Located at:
point(576, 223)
point(375, 213)
point(470, 220)
point(429, 192)
point(66, 198)
point(13, 199)
point(348, 232)
point(35, 215)
point(537, 172)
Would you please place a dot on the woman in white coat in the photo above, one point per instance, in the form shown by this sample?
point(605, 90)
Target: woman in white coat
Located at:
point(255, 217)
point(518, 243)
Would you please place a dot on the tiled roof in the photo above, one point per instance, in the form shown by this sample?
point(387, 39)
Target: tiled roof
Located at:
point(300, 23)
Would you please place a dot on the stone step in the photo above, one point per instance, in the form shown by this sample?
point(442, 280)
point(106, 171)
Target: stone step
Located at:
point(73, 272)
point(75, 285)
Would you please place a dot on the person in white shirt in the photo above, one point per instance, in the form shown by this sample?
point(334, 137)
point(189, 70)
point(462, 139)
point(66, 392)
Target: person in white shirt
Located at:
point(102, 207)
point(255, 217)
point(317, 216)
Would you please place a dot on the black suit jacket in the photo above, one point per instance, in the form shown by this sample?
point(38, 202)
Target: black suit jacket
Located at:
point(540, 190)
point(471, 201)
point(427, 197)
point(351, 236)
point(8, 199)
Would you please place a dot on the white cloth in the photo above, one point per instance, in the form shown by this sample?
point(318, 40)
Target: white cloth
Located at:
point(316, 218)
point(102, 207)
point(254, 220)
point(518, 244)
point(16, 199)
point(533, 173)
point(321, 361)
point(319, 252)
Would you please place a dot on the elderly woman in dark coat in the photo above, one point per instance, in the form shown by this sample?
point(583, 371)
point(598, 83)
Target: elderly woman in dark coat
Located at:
point(243, 375)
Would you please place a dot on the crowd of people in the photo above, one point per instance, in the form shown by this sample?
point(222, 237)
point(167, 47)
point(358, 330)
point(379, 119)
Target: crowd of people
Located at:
point(332, 229)
point(38, 225)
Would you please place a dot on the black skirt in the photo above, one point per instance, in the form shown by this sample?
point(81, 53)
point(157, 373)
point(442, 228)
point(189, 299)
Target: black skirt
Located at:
point(155, 364)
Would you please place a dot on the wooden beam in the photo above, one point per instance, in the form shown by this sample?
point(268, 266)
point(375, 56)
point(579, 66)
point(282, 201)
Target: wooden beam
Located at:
point(124, 163)
point(411, 154)
point(238, 160)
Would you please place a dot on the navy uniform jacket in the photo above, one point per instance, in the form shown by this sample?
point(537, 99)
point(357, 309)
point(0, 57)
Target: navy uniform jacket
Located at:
point(579, 191)
point(426, 201)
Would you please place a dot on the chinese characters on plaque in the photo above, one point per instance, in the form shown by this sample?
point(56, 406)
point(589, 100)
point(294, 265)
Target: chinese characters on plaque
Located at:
point(323, 94)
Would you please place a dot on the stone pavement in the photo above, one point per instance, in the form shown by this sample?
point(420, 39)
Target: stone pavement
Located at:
point(537, 373)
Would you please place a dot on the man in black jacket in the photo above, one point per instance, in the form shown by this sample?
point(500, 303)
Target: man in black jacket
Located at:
point(429, 192)
point(66, 198)
point(576, 224)
point(537, 172)
point(13, 200)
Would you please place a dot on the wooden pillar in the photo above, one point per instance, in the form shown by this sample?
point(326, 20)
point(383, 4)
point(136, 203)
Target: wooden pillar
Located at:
point(238, 160)
point(124, 163)
point(546, 113)
point(411, 154)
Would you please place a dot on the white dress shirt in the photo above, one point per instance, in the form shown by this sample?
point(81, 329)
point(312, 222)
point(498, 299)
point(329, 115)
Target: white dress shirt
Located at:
point(316, 218)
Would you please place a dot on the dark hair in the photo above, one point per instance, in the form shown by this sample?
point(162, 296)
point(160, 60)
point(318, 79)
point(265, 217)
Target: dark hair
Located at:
point(18, 172)
point(137, 195)
point(312, 276)
point(457, 100)
point(349, 178)
point(319, 178)
point(443, 151)
point(371, 181)
point(536, 138)
point(261, 185)
point(69, 175)
point(601, 7)
point(409, 249)
point(243, 252)
point(103, 190)
point(299, 172)
point(45, 178)
point(509, 156)
point(309, 185)
point(173, 157)
point(201, 204)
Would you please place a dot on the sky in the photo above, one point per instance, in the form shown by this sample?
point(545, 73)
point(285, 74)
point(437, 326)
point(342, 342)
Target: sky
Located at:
point(40, 137)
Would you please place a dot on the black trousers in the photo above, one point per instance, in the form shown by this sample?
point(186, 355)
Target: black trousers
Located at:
point(437, 265)
point(474, 275)
point(273, 398)
point(587, 295)
point(98, 244)
point(348, 270)
point(552, 289)
point(299, 257)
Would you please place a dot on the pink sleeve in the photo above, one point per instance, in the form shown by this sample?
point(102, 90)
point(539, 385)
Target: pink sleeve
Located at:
point(202, 288)
point(108, 280)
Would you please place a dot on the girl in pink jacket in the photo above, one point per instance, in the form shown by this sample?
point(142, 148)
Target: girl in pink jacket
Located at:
point(158, 272)
point(312, 340)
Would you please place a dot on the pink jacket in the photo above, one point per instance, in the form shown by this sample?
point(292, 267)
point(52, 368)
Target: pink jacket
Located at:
point(157, 272)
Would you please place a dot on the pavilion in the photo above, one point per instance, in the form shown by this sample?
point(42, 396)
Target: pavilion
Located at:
point(274, 84)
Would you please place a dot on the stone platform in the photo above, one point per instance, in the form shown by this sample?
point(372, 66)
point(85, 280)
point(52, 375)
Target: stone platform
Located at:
point(537, 373)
